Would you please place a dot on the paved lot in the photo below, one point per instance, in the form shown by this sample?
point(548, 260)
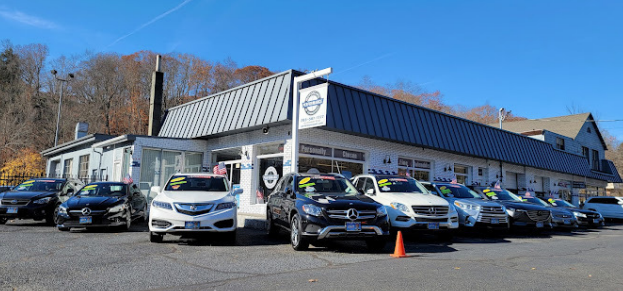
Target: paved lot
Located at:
point(38, 257)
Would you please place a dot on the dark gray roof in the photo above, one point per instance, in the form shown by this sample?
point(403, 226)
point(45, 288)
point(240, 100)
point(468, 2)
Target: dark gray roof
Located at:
point(70, 145)
point(249, 106)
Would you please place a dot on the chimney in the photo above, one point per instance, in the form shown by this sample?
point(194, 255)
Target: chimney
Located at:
point(82, 129)
point(155, 99)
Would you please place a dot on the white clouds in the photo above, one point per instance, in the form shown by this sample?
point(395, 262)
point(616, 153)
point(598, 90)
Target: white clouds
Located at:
point(20, 17)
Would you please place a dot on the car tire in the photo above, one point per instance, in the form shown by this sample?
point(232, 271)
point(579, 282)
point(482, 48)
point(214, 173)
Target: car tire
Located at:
point(271, 228)
point(155, 237)
point(53, 219)
point(297, 240)
point(63, 228)
point(375, 244)
point(3, 220)
point(128, 221)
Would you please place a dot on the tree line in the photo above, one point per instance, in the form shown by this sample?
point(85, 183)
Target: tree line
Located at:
point(111, 92)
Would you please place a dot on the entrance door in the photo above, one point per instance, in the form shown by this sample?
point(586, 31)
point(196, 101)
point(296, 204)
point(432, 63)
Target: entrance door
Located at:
point(271, 170)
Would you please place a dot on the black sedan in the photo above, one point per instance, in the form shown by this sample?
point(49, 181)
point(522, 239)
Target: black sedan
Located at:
point(36, 199)
point(587, 218)
point(103, 204)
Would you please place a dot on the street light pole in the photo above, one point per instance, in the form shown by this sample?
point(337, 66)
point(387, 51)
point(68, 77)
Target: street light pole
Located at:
point(60, 103)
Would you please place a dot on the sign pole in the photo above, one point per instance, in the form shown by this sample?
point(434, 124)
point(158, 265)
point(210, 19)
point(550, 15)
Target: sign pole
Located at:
point(295, 113)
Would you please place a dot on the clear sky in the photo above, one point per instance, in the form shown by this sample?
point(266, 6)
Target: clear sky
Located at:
point(536, 58)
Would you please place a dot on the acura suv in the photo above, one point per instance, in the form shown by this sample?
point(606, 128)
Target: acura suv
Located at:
point(37, 199)
point(319, 207)
point(409, 205)
point(474, 211)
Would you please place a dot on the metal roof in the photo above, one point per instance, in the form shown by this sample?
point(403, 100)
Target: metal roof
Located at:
point(70, 145)
point(249, 106)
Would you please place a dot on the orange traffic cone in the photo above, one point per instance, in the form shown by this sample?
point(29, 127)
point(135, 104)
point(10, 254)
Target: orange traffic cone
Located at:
point(399, 252)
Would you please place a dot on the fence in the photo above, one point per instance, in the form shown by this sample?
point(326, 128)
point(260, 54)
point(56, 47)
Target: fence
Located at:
point(10, 179)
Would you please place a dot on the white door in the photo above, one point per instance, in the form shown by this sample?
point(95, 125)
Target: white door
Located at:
point(116, 171)
point(510, 181)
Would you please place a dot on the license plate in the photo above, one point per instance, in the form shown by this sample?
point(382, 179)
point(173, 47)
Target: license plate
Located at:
point(433, 225)
point(495, 221)
point(595, 220)
point(86, 219)
point(192, 224)
point(539, 224)
point(353, 226)
point(11, 210)
point(567, 221)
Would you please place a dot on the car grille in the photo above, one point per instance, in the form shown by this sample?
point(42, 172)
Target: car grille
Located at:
point(193, 208)
point(343, 214)
point(430, 210)
point(79, 212)
point(489, 212)
point(562, 215)
point(18, 202)
point(431, 220)
point(538, 215)
point(592, 216)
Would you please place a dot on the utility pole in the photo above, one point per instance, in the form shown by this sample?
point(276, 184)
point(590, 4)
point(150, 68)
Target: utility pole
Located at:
point(60, 102)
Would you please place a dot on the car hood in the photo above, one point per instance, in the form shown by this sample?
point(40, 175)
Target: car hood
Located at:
point(26, 194)
point(522, 205)
point(342, 201)
point(191, 196)
point(477, 201)
point(418, 199)
point(561, 211)
point(93, 202)
point(575, 209)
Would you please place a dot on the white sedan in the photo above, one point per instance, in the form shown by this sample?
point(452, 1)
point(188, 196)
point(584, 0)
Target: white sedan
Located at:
point(193, 204)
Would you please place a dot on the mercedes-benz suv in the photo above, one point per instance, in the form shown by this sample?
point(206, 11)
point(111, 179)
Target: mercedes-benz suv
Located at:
point(318, 207)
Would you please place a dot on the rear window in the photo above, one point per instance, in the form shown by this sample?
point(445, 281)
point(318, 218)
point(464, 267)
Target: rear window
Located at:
point(198, 183)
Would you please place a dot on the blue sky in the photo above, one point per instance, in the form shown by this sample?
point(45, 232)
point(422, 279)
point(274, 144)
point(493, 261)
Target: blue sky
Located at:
point(536, 58)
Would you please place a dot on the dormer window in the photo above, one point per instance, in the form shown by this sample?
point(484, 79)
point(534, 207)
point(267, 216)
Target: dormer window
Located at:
point(588, 129)
point(560, 143)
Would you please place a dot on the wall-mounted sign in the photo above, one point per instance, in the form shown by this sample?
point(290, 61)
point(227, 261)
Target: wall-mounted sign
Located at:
point(271, 176)
point(579, 185)
point(313, 106)
point(315, 150)
point(421, 164)
point(405, 162)
point(350, 155)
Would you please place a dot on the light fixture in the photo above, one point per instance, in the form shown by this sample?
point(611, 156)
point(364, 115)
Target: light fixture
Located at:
point(387, 160)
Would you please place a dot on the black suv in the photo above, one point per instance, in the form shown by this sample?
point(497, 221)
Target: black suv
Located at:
point(37, 199)
point(314, 207)
point(521, 213)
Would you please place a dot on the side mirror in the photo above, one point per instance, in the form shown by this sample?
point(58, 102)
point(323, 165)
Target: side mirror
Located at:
point(290, 193)
point(237, 191)
point(370, 192)
point(154, 189)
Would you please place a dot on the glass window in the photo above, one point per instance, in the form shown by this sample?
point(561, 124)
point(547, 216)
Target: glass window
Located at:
point(150, 168)
point(192, 162)
point(39, 185)
point(402, 185)
point(462, 174)
point(595, 160)
point(67, 168)
point(586, 153)
point(104, 189)
point(560, 143)
point(84, 167)
point(325, 185)
point(197, 183)
point(458, 191)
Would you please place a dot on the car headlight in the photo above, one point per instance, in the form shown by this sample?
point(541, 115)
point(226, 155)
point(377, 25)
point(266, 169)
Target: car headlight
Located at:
point(62, 210)
point(42, 200)
point(226, 205)
point(381, 211)
point(467, 206)
point(117, 208)
point(312, 209)
point(579, 214)
point(163, 205)
point(510, 211)
point(399, 206)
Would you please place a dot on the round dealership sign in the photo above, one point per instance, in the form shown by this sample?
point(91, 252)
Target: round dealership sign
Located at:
point(271, 176)
point(312, 102)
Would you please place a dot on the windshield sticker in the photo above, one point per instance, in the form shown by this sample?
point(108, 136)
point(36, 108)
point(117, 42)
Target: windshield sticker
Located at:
point(175, 187)
point(385, 188)
point(29, 182)
point(524, 199)
point(486, 190)
point(551, 201)
point(490, 194)
point(384, 182)
point(307, 185)
point(47, 181)
point(399, 180)
point(178, 183)
point(90, 187)
point(304, 180)
point(446, 191)
point(443, 188)
point(327, 177)
point(177, 179)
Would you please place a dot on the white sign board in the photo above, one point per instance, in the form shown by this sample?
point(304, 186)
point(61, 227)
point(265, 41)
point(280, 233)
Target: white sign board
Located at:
point(313, 106)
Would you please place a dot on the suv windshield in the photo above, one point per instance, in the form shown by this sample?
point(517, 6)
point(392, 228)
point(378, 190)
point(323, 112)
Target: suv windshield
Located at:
point(197, 183)
point(40, 185)
point(103, 190)
point(500, 194)
point(457, 191)
point(560, 203)
point(335, 186)
point(403, 185)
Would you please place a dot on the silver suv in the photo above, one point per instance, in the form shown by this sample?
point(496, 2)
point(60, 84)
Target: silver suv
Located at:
point(609, 207)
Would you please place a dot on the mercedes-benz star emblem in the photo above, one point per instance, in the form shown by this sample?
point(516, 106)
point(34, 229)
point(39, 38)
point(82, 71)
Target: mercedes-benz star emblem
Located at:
point(352, 213)
point(86, 211)
point(13, 201)
point(432, 210)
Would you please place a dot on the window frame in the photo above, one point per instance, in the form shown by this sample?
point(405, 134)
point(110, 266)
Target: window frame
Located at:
point(560, 143)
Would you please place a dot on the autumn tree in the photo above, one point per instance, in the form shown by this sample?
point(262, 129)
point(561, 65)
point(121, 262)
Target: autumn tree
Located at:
point(249, 74)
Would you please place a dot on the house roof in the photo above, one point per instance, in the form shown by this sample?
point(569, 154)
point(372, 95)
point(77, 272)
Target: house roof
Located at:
point(358, 112)
point(567, 125)
point(88, 139)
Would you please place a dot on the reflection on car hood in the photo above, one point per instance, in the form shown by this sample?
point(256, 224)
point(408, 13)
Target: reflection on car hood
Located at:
point(93, 202)
point(26, 194)
point(477, 201)
point(192, 196)
point(410, 199)
point(556, 210)
point(521, 205)
point(575, 209)
point(343, 200)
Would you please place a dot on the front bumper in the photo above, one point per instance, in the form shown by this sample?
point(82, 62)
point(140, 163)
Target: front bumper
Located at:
point(562, 222)
point(97, 220)
point(29, 211)
point(521, 219)
point(320, 228)
point(425, 223)
point(481, 220)
point(170, 221)
point(591, 222)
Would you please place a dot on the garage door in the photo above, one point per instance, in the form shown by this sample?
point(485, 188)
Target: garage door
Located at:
point(510, 181)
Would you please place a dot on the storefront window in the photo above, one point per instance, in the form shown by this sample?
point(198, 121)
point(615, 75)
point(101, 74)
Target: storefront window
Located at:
point(462, 173)
point(192, 162)
point(346, 162)
point(420, 170)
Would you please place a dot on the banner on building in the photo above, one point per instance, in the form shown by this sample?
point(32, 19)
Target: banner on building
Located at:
point(313, 106)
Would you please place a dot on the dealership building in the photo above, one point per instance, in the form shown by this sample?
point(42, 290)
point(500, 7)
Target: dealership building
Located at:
point(249, 130)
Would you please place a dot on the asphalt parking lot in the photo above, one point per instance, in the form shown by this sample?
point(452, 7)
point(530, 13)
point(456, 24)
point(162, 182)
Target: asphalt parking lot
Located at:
point(38, 257)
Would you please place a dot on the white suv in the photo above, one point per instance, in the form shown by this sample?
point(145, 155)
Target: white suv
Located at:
point(608, 206)
point(193, 204)
point(409, 205)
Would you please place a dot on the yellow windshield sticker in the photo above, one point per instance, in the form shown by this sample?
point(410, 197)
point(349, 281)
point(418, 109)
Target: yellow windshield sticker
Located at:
point(383, 181)
point(178, 183)
point(443, 188)
point(90, 186)
point(29, 182)
point(304, 180)
point(486, 190)
point(551, 200)
point(178, 179)
point(306, 185)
